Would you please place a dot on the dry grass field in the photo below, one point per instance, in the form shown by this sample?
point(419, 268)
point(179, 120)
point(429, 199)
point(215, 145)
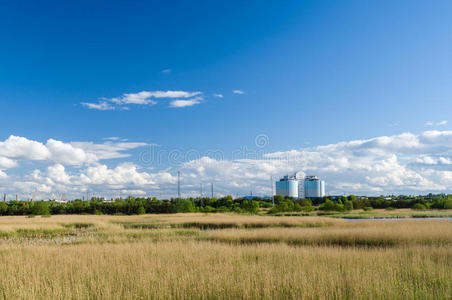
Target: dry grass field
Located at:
point(220, 256)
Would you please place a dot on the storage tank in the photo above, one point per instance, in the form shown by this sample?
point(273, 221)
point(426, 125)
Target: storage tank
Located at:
point(287, 186)
point(314, 187)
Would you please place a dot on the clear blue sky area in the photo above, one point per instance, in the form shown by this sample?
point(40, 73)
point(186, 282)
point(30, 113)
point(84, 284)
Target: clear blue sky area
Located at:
point(312, 72)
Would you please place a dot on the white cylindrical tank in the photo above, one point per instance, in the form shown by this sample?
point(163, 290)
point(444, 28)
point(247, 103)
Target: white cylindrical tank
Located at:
point(287, 187)
point(314, 187)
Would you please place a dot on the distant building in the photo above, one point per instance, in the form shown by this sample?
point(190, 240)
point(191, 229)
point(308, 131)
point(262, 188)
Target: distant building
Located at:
point(314, 187)
point(287, 186)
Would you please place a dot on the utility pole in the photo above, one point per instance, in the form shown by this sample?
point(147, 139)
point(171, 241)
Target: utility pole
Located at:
point(4, 197)
point(201, 190)
point(178, 184)
point(211, 189)
point(273, 194)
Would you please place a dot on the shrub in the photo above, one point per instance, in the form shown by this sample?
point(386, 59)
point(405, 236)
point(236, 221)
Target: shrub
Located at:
point(419, 206)
point(328, 205)
point(306, 202)
point(368, 208)
point(348, 205)
point(307, 208)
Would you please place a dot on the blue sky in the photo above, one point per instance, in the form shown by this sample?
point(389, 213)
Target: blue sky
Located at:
point(311, 73)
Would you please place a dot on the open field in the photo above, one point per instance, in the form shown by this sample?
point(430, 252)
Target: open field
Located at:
point(223, 256)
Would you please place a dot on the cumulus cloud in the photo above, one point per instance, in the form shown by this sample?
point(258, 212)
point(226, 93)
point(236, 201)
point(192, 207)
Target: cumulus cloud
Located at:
point(6, 163)
point(406, 163)
point(218, 95)
point(238, 92)
point(16, 148)
point(58, 173)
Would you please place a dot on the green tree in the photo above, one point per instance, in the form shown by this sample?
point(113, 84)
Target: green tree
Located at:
point(3, 208)
point(40, 208)
point(141, 210)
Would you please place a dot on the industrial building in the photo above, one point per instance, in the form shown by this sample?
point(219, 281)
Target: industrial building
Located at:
point(287, 186)
point(311, 187)
point(314, 187)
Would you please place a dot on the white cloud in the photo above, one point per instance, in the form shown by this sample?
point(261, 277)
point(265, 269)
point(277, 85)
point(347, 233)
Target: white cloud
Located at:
point(16, 148)
point(7, 163)
point(405, 163)
point(238, 92)
point(166, 71)
point(102, 105)
point(218, 95)
point(57, 173)
point(142, 98)
point(68, 154)
point(22, 148)
point(108, 150)
point(430, 123)
point(185, 103)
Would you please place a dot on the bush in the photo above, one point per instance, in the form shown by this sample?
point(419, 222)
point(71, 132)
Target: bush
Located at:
point(419, 206)
point(348, 205)
point(368, 208)
point(307, 208)
point(306, 202)
point(328, 205)
point(390, 208)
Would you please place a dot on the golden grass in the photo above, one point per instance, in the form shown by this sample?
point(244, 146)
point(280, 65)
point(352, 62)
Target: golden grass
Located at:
point(104, 260)
point(363, 233)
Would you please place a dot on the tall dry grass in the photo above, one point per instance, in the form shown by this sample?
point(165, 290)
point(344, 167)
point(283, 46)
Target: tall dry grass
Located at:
point(105, 260)
point(196, 270)
point(364, 233)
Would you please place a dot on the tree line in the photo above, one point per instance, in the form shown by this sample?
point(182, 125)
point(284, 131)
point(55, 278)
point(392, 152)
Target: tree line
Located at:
point(132, 205)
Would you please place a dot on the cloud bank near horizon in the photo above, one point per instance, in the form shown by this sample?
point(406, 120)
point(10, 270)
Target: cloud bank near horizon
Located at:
point(406, 163)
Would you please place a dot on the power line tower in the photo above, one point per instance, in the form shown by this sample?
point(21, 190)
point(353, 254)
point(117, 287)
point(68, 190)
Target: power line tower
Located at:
point(211, 189)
